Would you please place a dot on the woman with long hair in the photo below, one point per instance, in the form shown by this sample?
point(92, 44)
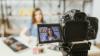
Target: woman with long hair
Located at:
point(50, 35)
point(37, 18)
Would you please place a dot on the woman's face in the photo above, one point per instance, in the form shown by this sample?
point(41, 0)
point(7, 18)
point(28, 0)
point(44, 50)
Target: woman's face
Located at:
point(50, 32)
point(38, 16)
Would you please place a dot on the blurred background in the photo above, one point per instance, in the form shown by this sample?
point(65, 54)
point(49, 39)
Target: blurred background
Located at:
point(16, 14)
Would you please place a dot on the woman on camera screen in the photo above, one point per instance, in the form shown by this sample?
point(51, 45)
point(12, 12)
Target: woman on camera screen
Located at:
point(50, 35)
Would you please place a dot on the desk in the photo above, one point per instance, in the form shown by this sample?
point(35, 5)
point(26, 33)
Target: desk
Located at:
point(6, 51)
point(94, 51)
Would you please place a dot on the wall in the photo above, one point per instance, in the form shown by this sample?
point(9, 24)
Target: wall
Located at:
point(96, 13)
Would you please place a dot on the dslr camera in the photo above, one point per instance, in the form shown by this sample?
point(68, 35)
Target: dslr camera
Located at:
point(73, 33)
point(78, 29)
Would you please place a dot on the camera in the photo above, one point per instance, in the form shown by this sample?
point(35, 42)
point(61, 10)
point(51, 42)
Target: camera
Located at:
point(73, 33)
point(78, 28)
point(78, 17)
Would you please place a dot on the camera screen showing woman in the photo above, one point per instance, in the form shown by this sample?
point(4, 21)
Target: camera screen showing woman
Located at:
point(49, 33)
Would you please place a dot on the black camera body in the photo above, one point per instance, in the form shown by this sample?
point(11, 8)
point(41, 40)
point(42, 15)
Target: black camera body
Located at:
point(75, 18)
point(77, 30)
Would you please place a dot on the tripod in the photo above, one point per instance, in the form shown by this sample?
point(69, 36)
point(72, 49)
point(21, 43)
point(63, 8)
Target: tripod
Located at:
point(76, 49)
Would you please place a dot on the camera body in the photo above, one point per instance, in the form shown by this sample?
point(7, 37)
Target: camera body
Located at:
point(77, 30)
point(80, 17)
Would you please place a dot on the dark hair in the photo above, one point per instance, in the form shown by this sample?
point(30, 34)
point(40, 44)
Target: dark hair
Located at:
point(52, 32)
point(33, 15)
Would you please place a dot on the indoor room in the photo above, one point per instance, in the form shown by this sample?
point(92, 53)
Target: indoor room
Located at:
point(49, 28)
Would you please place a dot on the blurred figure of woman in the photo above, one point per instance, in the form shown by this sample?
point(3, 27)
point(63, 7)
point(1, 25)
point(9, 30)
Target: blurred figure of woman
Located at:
point(37, 18)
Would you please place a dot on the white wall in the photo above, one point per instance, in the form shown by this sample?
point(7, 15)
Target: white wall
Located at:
point(96, 13)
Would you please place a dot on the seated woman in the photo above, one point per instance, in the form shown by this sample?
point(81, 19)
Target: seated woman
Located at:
point(37, 18)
